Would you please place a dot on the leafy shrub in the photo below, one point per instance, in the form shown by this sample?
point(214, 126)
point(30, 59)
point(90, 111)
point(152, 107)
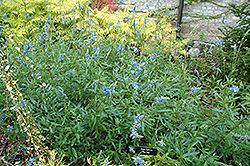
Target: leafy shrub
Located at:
point(237, 43)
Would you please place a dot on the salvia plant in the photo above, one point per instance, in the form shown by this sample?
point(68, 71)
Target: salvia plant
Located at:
point(84, 89)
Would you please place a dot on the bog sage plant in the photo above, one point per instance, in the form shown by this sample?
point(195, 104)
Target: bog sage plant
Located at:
point(92, 95)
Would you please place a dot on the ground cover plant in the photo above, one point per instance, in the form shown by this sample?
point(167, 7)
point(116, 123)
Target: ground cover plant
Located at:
point(79, 88)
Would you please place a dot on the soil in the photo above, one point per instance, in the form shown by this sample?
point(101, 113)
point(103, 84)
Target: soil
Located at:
point(6, 149)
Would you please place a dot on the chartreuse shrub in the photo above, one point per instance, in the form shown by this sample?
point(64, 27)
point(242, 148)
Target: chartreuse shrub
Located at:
point(95, 95)
point(34, 16)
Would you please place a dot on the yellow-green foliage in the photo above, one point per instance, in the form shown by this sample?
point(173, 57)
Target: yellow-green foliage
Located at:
point(25, 15)
point(52, 160)
point(118, 26)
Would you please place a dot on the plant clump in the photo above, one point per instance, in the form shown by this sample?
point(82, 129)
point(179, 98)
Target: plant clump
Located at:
point(84, 89)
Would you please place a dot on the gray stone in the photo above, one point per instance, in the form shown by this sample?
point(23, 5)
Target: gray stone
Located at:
point(202, 8)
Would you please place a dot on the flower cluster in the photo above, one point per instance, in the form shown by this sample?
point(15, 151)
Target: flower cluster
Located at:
point(27, 48)
point(131, 149)
point(159, 100)
point(125, 19)
point(10, 128)
point(139, 118)
point(109, 91)
point(113, 111)
point(61, 92)
point(1, 117)
point(234, 89)
point(194, 89)
point(31, 161)
point(213, 91)
point(162, 143)
point(139, 160)
point(22, 104)
point(220, 42)
point(239, 136)
point(223, 16)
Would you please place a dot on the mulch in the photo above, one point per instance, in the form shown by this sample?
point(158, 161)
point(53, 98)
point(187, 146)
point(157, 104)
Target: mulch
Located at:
point(11, 152)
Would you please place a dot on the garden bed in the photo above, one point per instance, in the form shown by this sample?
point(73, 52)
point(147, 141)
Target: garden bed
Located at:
point(82, 89)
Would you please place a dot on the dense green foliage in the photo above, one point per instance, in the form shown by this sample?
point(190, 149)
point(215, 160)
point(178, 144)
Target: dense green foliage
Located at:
point(236, 48)
point(99, 90)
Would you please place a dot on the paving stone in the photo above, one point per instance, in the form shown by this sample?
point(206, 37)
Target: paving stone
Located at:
point(202, 8)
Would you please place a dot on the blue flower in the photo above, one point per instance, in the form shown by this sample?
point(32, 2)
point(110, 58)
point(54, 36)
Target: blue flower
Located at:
point(145, 21)
point(23, 104)
point(134, 64)
point(159, 100)
point(61, 92)
point(162, 143)
point(234, 89)
point(106, 91)
point(60, 57)
point(113, 111)
point(26, 49)
point(223, 16)
point(20, 60)
point(193, 90)
point(139, 160)
point(1, 119)
point(80, 6)
point(214, 91)
point(133, 24)
point(31, 161)
point(134, 133)
point(27, 15)
point(135, 85)
point(49, 18)
point(4, 16)
point(131, 149)
point(126, 18)
point(10, 128)
point(74, 11)
point(135, 50)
